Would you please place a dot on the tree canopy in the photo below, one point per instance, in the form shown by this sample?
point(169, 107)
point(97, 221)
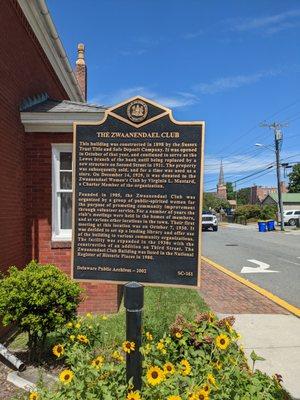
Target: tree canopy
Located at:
point(294, 179)
point(230, 191)
point(211, 201)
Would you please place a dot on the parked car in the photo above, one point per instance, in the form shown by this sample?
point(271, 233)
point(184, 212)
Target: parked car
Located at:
point(209, 220)
point(290, 217)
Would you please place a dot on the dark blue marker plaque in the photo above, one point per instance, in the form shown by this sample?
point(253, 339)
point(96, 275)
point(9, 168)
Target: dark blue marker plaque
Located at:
point(137, 193)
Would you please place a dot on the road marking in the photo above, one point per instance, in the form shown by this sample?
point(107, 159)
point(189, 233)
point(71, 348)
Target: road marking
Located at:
point(291, 262)
point(282, 303)
point(262, 268)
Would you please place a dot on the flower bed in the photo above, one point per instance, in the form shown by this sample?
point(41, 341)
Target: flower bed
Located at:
point(196, 360)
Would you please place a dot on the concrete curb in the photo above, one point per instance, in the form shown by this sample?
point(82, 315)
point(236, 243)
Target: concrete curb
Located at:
point(18, 381)
point(282, 303)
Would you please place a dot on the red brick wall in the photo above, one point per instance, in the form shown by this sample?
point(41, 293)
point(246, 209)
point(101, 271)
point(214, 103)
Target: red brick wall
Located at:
point(24, 71)
point(99, 297)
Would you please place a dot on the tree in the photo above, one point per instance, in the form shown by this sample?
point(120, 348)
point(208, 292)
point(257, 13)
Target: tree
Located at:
point(211, 201)
point(294, 179)
point(243, 196)
point(230, 191)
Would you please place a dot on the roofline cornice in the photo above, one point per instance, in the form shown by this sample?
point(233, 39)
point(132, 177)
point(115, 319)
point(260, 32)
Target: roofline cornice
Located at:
point(56, 122)
point(38, 16)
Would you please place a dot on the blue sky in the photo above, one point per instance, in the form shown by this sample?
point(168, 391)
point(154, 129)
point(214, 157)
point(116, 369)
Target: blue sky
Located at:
point(231, 63)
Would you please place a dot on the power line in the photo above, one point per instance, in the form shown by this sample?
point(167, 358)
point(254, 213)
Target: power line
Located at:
point(266, 167)
point(256, 125)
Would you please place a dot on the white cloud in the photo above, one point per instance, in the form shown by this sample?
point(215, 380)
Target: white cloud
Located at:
point(193, 35)
point(268, 24)
point(179, 99)
point(240, 165)
point(234, 82)
point(137, 52)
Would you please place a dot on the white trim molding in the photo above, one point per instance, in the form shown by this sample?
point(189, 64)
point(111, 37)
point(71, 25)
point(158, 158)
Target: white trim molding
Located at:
point(58, 234)
point(38, 16)
point(56, 122)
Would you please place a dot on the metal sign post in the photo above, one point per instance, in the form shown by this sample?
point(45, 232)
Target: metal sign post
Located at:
point(134, 302)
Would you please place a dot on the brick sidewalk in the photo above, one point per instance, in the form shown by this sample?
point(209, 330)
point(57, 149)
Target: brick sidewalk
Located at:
point(225, 295)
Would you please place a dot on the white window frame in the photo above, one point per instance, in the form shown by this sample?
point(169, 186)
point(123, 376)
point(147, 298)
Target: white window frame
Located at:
point(58, 234)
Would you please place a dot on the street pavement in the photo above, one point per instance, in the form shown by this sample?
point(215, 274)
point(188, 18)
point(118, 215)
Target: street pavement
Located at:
point(275, 257)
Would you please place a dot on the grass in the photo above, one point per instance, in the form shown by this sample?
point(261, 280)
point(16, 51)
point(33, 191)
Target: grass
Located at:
point(161, 305)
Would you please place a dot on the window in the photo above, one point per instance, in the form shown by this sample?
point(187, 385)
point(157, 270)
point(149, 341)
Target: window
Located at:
point(61, 191)
point(297, 212)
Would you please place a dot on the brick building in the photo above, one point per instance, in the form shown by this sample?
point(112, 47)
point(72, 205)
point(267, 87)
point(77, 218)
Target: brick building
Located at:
point(41, 97)
point(259, 193)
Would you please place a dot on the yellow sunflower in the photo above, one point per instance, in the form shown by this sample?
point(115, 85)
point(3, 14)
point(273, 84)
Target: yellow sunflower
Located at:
point(178, 335)
point(72, 338)
point(128, 346)
point(78, 325)
point(186, 367)
point(147, 348)
point(82, 339)
point(58, 350)
point(149, 336)
point(202, 395)
point(169, 368)
point(160, 346)
point(222, 341)
point(98, 362)
point(211, 379)
point(206, 388)
point(69, 325)
point(117, 356)
point(89, 315)
point(66, 376)
point(104, 317)
point(133, 396)
point(174, 397)
point(155, 375)
point(33, 396)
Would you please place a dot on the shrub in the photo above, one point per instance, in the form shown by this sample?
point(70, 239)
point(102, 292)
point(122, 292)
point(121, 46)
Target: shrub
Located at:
point(268, 212)
point(195, 360)
point(255, 212)
point(39, 299)
point(248, 211)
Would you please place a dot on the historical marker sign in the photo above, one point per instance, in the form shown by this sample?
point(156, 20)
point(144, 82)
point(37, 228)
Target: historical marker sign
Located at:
point(137, 194)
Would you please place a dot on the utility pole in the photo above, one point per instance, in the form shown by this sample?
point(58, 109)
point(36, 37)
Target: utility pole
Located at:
point(276, 127)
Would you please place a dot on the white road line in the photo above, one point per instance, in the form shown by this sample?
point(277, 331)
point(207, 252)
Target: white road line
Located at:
point(262, 267)
point(290, 262)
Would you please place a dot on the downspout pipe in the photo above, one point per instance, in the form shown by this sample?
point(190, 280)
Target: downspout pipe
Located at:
point(12, 359)
point(58, 44)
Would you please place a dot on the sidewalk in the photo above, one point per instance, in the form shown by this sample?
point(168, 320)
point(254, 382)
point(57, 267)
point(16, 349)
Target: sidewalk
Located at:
point(268, 329)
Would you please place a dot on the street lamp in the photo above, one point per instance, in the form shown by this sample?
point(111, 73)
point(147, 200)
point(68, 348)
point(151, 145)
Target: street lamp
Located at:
point(276, 150)
point(264, 145)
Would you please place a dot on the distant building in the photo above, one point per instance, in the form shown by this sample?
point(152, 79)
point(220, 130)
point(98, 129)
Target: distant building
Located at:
point(221, 186)
point(291, 201)
point(259, 193)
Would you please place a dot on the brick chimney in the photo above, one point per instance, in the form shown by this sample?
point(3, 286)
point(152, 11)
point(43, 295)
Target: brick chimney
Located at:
point(81, 70)
point(283, 187)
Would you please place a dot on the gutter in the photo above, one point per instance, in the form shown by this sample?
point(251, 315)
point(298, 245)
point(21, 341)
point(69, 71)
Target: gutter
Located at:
point(39, 18)
point(58, 44)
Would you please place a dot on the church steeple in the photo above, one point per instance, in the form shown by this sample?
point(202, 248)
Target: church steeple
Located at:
point(221, 175)
point(221, 186)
